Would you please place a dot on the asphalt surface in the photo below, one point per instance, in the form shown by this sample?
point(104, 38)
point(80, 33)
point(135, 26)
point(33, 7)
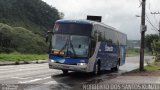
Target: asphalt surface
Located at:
point(40, 77)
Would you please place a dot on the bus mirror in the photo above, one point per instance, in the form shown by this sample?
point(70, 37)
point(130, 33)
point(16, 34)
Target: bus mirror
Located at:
point(50, 32)
point(47, 35)
point(46, 38)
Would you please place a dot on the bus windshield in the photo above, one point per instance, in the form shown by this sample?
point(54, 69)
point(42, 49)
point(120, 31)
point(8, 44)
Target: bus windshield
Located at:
point(71, 45)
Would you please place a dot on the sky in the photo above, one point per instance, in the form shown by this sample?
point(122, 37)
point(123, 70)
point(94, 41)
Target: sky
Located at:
point(120, 14)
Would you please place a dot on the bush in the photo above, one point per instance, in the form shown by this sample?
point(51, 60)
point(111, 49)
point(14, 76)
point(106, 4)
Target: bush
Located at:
point(156, 49)
point(21, 40)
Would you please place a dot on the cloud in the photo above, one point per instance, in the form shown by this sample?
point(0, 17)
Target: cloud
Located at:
point(116, 13)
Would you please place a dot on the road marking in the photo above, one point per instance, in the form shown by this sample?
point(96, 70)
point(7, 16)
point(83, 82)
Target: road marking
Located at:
point(21, 77)
point(22, 70)
point(52, 82)
point(34, 80)
point(28, 77)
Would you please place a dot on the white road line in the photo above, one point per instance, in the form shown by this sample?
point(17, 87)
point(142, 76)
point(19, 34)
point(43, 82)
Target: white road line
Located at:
point(22, 66)
point(26, 69)
point(34, 80)
point(21, 77)
point(29, 77)
point(51, 82)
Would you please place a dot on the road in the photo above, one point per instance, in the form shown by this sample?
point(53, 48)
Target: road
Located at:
point(40, 77)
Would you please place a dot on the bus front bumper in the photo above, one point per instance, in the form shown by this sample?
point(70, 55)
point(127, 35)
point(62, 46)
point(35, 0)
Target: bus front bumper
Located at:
point(80, 68)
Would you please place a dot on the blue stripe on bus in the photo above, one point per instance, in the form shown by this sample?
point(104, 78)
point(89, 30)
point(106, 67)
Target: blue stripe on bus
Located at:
point(71, 61)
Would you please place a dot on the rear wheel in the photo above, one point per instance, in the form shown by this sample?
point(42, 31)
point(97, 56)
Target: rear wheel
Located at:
point(117, 67)
point(65, 72)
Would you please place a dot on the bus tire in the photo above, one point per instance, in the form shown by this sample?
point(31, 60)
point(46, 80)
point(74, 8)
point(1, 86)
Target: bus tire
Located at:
point(117, 66)
point(65, 72)
point(97, 68)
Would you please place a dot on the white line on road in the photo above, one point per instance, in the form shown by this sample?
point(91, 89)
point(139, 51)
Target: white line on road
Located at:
point(52, 82)
point(34, 80)
point(21, 77)
point(29, 77)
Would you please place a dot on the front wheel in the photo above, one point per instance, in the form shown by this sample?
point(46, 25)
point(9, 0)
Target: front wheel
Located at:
point(65, 72)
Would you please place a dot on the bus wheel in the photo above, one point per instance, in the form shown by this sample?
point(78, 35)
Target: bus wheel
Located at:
point(65, 72)
point(97, 68)
point(117, 67)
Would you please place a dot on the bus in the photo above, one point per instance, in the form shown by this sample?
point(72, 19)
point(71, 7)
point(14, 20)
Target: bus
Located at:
point(86, 46)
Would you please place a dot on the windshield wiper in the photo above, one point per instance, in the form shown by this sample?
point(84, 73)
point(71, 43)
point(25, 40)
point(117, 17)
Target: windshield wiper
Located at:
point(75, 55)
point(63, 47)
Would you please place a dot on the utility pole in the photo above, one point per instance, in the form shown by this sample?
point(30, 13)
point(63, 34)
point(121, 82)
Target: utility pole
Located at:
point(143, 29)
point(159, 21)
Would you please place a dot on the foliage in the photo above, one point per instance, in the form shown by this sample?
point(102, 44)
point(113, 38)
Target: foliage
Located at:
point(21, 40)
point(153, 67)
point(156, 48)
point(21, 57)
point(23, 24)
point(149, 39)
point(132, 51)
point(33, 15)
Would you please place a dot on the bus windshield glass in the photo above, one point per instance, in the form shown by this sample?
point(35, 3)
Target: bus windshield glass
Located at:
point(73, 28)
point(71, 45)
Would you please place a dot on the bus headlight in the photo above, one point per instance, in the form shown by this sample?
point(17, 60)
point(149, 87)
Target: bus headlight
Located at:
point(82, 64)
point(52, 60)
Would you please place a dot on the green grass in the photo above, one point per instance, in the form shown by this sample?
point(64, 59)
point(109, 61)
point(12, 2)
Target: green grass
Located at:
point(149, 68)
point(132, 53)
point(153, 67)
point(21, 57)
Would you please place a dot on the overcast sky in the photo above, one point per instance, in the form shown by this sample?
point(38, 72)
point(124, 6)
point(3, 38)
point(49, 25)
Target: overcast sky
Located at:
point(120, 14)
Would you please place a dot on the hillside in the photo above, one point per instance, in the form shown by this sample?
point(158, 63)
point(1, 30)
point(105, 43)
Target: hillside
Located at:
point(34, 15)
point(23, 25)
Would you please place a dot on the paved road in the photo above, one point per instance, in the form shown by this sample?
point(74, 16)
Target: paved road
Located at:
point(40, 77)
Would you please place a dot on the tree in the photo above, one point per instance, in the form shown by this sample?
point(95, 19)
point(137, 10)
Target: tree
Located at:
point(156, 48)
point(34, 15)
point(149, 39)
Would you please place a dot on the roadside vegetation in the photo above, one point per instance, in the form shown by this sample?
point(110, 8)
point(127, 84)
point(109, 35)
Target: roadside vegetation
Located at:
point(149, 70)
point(152, 46)
point(23, 26)
point(153, 67)
point(16, 57)
point(131, 52)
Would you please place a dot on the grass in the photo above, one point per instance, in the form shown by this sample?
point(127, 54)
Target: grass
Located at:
point(149, 70)
point(132, 53)
point(153, 67)
point(21, 57)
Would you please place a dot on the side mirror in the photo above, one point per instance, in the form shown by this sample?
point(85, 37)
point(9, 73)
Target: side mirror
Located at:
point(47, 35)
point(46, 38)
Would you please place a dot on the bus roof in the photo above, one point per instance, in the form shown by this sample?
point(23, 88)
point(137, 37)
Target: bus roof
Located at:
point(89, 22)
